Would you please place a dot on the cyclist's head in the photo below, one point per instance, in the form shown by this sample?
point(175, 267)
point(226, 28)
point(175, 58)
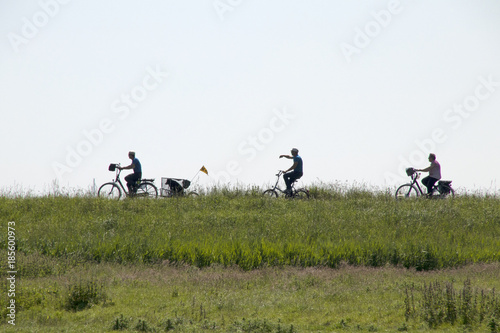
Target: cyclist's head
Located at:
point(432, 157)
point(131, 154)
point(295, 150)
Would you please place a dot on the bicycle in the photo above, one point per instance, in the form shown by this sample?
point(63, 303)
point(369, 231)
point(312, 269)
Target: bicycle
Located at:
point(174, 187)
point(300, 193)
point(413, 190)
point(143, 188)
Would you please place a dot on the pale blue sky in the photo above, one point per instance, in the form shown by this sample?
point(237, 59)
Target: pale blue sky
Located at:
point(362, 88)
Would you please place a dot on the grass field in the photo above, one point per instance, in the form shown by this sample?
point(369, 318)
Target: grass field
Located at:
point(233, 261)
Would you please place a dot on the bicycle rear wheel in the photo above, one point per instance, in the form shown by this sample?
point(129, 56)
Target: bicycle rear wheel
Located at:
point(445, 191)
point(406, 191)
point(301, 194)
point(270, 193)
point(146, 190)
point(109, 191)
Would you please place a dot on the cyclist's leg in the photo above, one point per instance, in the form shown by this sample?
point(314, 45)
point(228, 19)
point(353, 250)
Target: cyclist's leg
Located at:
point(429, 183)
point(290, 177)
point(296, 176)
point(288, 181)
point(131, 180)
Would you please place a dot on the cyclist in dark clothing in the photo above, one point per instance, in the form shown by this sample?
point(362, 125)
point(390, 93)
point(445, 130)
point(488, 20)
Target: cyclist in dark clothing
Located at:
point(133, 177)
point(295, 171)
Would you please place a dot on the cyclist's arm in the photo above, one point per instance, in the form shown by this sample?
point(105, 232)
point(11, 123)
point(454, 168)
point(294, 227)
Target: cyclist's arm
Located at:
point(131, 166)
point(292, 167)
point(424, 170)
point(286, 156)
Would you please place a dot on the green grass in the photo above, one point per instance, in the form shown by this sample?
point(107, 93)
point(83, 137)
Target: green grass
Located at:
point(251, 232)
point(273, 299)
point(234, 261)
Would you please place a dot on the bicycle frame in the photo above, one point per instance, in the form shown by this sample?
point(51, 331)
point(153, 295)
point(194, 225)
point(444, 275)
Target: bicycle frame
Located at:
point(414, 179)
point(275, 187)
point(118, 181)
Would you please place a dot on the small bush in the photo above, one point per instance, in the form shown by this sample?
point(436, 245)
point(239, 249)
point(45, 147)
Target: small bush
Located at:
point(83, 295)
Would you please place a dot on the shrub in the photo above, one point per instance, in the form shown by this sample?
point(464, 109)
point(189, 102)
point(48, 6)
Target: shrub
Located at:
point(83, 295)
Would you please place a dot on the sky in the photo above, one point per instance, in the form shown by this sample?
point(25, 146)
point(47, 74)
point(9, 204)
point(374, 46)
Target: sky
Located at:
point(364, 89)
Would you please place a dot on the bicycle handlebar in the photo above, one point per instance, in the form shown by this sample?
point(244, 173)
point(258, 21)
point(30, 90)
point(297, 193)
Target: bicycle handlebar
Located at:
point(412, 173)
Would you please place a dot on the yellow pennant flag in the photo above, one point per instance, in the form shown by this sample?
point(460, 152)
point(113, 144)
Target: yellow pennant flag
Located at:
point(203, 169)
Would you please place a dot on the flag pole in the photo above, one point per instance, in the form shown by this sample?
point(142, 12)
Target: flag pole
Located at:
point(195, 175)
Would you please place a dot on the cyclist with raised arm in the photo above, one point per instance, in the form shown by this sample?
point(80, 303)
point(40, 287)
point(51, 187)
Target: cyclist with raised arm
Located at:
point(133, 177)
point(434, 173)
point(295, 171)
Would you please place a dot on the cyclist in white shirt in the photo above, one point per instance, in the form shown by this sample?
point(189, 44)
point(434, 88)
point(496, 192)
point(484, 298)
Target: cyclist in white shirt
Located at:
point(434, 173)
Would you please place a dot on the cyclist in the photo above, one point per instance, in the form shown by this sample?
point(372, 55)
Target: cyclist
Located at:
point(434, 173)
point(295, 171)
point(133, 177)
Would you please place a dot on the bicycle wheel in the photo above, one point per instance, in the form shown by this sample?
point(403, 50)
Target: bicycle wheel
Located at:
point(445, 191)
point(301, 194)
point(406, 191)
point(192, 194)
point(146, 190)
point(109, 191)
point(270, 193)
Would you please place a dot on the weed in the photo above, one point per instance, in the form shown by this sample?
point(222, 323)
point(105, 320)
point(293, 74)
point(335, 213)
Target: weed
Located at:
point(84, 294)
point(142, 326)
point(493, 326)
point(120, 323)
point(257, 325)
point(443, 304)
point(171, 324)
point(168, 325)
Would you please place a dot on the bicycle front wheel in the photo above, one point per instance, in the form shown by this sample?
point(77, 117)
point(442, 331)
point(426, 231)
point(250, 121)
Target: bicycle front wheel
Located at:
point(146, 190)
point(406, 191)
point(270, 193)
point(109, 191)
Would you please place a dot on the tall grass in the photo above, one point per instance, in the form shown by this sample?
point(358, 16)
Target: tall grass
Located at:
point(439, 304)
point(228, 227)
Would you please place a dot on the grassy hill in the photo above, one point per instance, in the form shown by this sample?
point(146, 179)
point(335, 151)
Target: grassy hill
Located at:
point(247, 230)
point(236, 236)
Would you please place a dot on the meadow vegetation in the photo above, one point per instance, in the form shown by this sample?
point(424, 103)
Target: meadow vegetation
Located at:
point(231, 260)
